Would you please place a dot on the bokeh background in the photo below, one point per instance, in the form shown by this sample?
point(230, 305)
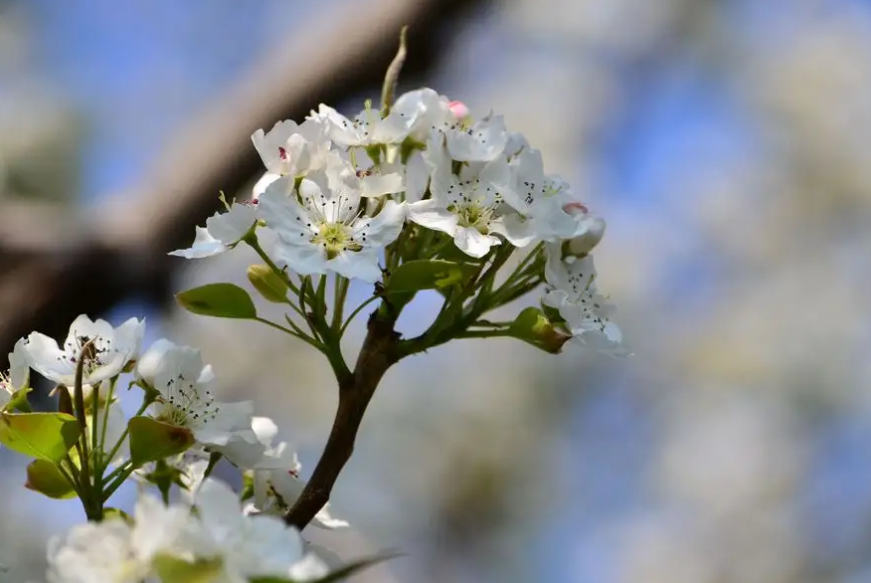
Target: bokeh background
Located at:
point(725, 141)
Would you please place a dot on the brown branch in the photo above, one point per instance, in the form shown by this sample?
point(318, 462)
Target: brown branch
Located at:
point(122, 251)
point(378, 353)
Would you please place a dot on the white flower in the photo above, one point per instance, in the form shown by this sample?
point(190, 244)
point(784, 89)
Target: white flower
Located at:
point(113, 551)
point(424, 110)
point(277, 484)
point(483, 141)
point(111, 350)
point(590, 229)
point(222, 232)
point(248, 546)
point(185, 399)
point(572, 291)
point(328, 230)
point(19, 372)
point(470, 207)
point(366, 128)
point(540, 198)
point(289, 149)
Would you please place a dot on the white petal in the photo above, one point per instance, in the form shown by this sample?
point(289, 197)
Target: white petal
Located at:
point(432, 215)
point(204, 246)
point(19, 365)
point(309, 568)
point(152, 361)
point(230, 227)
point(263, 183)
point(471, 242)
point(379, 185)
point(518, 230)
point(362, 265)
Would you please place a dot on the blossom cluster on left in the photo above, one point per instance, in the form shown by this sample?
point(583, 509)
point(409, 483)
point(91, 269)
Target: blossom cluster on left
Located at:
point(89, 447)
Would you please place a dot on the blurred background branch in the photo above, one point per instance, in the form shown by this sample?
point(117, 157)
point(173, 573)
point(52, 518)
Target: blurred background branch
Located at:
point(56, 264)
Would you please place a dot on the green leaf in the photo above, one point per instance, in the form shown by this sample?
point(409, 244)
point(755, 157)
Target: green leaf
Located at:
point(421, 274)
point(44, 436)
point(532, 326)
point(173, 570)
point(221, 300)
point(44, 477)
point(268, 283)
point(152, 440)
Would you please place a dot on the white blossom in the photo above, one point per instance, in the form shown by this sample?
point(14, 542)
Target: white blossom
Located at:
point(364, 129)
point(222, 232)
point(470, 207)
point(19, 373)
point(289, 149)
point(483, 141)
point(277, 484)
point(111, 350)
point(326, 229)
point(185, 399)
point(247, 546)
point(113, 551)
point(572, 290)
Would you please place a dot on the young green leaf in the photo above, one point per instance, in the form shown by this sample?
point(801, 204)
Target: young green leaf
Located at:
point(44, 477)
point(44, 436)
point(152, 440)
point(423, 274)
point(221, 300)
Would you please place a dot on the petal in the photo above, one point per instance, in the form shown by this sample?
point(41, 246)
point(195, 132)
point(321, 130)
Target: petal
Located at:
point(472, 242)
point(362, 265)
point(385, 227)
point(19, 365)
point(430, 214)
point(204, 246)
point(218, 506)
point(49, 360)
point(263, 183)
point(152, 361)
point(518, 230)
point(230, 227)
point(379, 185)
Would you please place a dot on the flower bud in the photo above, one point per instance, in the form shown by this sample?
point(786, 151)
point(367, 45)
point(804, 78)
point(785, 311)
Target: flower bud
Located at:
point(591, 229)
point(459, 109)
point(270, 286)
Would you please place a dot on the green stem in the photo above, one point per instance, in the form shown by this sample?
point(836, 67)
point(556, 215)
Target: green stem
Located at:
point(497, 333)
point(354, 314)
point(293, 333)
point(340, 295)
point(120, 479)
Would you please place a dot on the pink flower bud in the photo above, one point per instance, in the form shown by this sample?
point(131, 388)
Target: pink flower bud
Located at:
point(459, 109)
point(576, 208)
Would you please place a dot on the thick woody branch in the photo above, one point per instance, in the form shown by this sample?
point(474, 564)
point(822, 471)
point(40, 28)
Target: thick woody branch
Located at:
point(378, 353)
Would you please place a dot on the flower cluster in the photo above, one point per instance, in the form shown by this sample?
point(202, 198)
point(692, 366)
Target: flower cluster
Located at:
point(418, 195)
point(344, 195)
point(179, 433)
point(215, 540)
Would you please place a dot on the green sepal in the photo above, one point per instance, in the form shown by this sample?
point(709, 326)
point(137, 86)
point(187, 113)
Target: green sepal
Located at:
point(220, 300)
point(45, 477)
point(44, 436)
point(152, 440)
